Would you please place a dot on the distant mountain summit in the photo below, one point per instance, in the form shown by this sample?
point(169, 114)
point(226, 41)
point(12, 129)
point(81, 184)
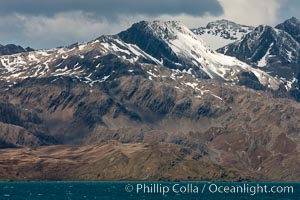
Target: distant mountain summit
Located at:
point(265, 46)
point(222, 32)
point(13, 49)
point(274, 50)
point(291, 26)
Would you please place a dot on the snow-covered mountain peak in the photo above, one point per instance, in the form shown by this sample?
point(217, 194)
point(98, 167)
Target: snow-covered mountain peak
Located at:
point(227, 24)
point(164, 24)
point(222, 32)
point(165, 30)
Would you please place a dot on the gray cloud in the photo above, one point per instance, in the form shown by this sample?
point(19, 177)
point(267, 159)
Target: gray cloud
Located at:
point(58, 30)
point(51, 23)
point(254, 12)
point(111, 8)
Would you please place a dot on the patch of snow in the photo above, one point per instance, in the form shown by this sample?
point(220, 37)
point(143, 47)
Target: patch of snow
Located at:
point(263, 61)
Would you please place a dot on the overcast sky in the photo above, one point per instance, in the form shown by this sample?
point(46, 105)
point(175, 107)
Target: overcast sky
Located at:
point(52, 23)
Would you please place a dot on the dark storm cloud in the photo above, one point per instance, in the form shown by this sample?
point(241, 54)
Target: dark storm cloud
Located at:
point(111, 8)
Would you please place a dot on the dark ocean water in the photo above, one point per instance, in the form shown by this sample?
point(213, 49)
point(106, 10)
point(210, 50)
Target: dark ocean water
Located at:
point(149, 190)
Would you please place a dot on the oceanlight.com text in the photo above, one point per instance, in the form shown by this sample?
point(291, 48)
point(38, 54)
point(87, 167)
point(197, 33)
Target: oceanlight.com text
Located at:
point(190, 188)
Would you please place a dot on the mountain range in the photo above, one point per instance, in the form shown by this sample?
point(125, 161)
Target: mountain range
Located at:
point(155, 89)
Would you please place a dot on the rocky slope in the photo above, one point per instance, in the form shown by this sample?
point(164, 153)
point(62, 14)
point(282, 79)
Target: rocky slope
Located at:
point(220, 33)
point(113, 161)
point(123, 89)
point(20, 127)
